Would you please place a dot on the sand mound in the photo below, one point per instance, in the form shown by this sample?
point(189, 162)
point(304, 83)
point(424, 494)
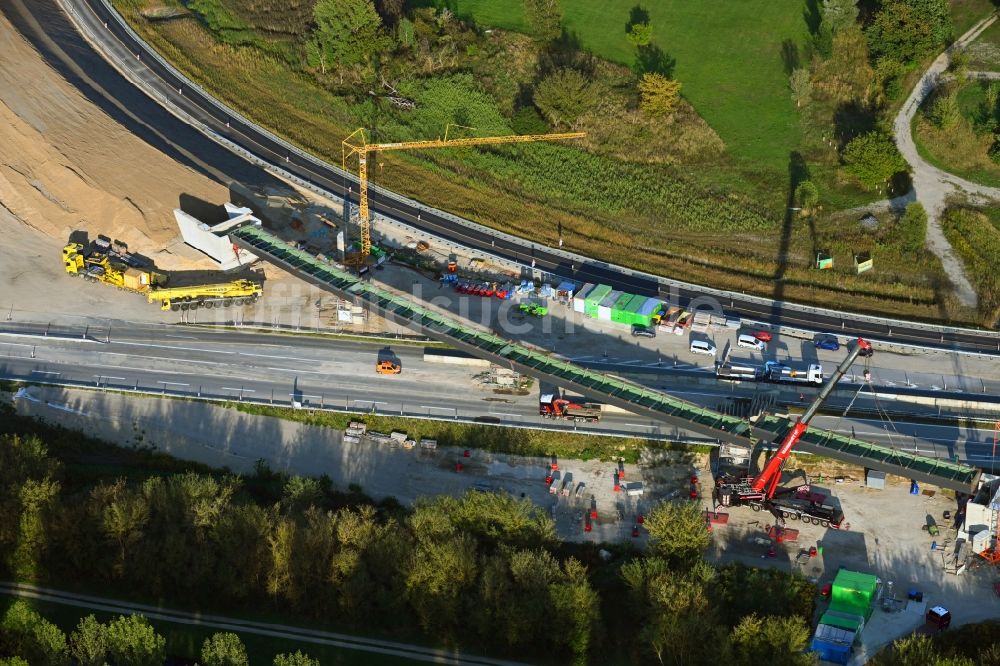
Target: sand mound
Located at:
point(66, 165)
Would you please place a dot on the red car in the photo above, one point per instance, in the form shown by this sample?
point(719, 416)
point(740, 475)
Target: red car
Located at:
point(763, 336)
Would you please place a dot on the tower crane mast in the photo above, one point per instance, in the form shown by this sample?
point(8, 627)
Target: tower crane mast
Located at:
point(357, 144)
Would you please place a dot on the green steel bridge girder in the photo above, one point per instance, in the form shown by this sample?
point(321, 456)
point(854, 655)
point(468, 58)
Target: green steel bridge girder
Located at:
point(639, 400)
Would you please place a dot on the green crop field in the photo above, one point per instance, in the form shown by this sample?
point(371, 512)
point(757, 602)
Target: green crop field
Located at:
point(729, 59)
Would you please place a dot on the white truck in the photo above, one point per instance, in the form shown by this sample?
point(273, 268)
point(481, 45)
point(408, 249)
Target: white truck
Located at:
point(811, 373)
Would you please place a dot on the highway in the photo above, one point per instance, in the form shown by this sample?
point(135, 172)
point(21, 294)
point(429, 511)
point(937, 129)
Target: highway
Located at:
point(40, 19)
point(323, 372)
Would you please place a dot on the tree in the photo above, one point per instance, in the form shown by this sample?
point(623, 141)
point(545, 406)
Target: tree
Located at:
point(123, 521)
point(835, 15)
point(299, 493)
point(14, 661)
point(658, 95)
point(801, 84)
point(806, 195)
point(944, 111)
point(391, 11)
point(544, 18)
point(37, 499)
point(639, 34)
point(913, 227)
point(846, 76)
point(347, 32)
point(677, 531)
point(873, 160)
point(774, 640)
point(131, 640)
point(440, 573)
point(910, 30)
point(89, 642)
point(224, 649)
point(566, 95)
point(298, 658)
point(576, 609)
point(33, 637)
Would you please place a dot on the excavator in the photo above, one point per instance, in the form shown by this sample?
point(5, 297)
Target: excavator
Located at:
point(762, 492)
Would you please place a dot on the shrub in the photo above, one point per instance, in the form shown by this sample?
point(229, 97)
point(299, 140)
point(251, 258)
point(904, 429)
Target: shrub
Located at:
point(873, 159)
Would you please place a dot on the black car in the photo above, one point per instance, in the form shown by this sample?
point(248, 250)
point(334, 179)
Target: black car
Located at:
point(640, 331)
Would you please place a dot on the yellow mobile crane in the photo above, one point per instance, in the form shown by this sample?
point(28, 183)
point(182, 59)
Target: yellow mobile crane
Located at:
point(100, 263)
point(357, 144)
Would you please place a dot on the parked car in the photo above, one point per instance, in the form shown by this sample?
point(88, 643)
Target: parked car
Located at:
point(640, 331)
point(702, 347)
point(750, 342)
point(763, 336)
point(827, 343)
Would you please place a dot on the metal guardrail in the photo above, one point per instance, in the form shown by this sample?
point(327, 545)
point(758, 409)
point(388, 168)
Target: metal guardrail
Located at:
point(632, 397)
point(308, 159)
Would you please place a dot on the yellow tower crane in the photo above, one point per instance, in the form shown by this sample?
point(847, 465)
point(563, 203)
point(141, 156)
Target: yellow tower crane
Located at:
point(357, 144)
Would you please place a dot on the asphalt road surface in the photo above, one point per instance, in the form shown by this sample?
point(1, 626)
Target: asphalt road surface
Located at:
point(45, 26)
point(320, 372)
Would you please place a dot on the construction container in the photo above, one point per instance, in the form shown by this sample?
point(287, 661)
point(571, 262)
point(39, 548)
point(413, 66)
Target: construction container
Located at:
point(833, 644)
point(848, 621)
point(854, 593)
point(619, 311)
point(580, 298)
point(594, 298)
point(605, 306)
point(565, 291)
point(651, 310)
point(634, 309)
point(875, 479)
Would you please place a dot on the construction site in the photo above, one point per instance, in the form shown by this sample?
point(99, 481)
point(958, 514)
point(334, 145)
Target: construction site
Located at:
point(897, 537)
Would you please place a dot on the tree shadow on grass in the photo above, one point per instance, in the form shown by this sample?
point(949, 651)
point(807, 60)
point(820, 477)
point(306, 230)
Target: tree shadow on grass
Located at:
point(811, 15)
point(851, 120)
point(651, 59)
point(637, 15)
point(790, 57)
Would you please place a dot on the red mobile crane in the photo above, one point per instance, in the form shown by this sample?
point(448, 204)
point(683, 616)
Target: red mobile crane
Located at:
point(760, 492)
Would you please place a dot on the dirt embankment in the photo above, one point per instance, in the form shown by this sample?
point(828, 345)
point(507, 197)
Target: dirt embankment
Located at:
point(66, 165)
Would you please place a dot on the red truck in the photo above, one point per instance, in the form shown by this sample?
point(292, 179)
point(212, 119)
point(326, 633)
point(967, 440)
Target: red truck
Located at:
point(552, 407)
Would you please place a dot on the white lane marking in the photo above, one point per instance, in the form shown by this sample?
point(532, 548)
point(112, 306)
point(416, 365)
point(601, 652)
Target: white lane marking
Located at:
point(107, 377)
point(45, 372)
point(160, 381)
point(230, 388)
point(450, 409)
point(199, 349)
point(314, 372)
point(283, 358)
point(180, 337)
point(641, 425)
point(303, 395)
point(494, 413)
point(372, 402)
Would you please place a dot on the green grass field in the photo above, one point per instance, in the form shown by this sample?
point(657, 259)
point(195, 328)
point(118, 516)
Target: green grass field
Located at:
point(728, 59)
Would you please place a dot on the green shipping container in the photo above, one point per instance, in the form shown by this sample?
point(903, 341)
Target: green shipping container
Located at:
point(619, 311)
point(594, 298)
point(848, 621)
point(853, 593)
point(634, 311)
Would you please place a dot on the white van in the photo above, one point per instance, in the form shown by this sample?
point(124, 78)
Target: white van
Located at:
point(702, 347)
point(750, 342)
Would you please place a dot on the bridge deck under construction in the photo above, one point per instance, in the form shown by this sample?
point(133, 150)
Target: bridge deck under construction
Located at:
point(632, 397)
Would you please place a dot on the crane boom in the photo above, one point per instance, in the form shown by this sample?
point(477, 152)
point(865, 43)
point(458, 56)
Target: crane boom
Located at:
point(357, 144)
point(771, 474)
